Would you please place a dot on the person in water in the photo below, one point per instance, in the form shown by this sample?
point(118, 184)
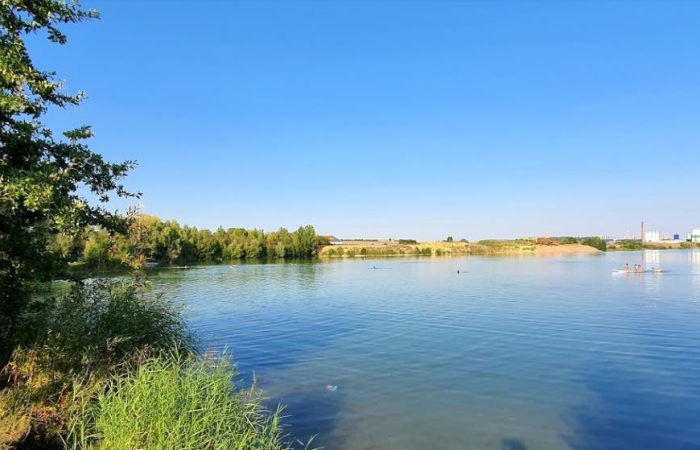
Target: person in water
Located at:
point(627, 267)
point(639, 268)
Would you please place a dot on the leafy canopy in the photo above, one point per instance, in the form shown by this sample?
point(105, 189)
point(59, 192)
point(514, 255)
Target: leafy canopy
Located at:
point(41, 174)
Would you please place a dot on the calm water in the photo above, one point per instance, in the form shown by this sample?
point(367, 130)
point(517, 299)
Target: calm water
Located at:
point(513, 353)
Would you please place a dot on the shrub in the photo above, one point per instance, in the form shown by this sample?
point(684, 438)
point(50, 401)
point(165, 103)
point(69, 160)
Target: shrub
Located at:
point(407, 241)
point(101, 323)
point(98, 329)
point(569, 240)
point(630, 244)
point(176, 403)
point(595, 242)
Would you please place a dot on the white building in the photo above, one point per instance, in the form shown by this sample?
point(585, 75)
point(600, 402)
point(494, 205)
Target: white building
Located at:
point(652, 236)
point(694, 235)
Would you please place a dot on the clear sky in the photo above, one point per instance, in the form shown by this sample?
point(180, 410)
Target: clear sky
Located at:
point(397, 119)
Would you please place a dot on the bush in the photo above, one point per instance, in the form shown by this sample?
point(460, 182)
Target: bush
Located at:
point(569, 240)
point(176, 403)
point(407, 241)
point(99, 329)
point(595, 242)
point(100, 324)
point(630, 244)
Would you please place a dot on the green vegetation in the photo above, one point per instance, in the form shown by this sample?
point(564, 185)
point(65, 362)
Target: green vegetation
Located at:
point(109, 364)
point(595, 242)
point(407, 241)
point(389, 249)
point(40, 172)
point(176, 403)
point(592, 241)
point(630, 244)
point(97, 330)
point(494, 243)
point(147, 238)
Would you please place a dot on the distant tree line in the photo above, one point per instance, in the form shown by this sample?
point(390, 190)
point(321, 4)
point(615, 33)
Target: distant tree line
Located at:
point(150, 239)
point(593, 241)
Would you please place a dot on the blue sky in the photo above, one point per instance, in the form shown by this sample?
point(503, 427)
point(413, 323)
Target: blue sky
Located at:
point(397, 119)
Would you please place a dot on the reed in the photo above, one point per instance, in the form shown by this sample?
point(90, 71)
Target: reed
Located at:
point(176, 402)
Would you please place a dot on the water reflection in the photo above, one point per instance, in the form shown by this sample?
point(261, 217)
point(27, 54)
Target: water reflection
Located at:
point(509, 354)
point(694, 258)
point(651, 258)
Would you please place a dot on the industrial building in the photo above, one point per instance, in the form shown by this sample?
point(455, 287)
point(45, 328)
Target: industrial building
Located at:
point(694, 235)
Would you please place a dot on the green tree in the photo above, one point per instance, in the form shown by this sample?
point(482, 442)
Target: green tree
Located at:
point(40, 173)
point(97, 249)
point(596, 242)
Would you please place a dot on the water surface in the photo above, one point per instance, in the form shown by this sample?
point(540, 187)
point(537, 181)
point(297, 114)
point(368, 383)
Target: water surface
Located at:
point(511, 353)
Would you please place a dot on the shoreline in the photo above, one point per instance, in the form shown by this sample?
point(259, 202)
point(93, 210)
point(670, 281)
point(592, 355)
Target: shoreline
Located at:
point(495, 248)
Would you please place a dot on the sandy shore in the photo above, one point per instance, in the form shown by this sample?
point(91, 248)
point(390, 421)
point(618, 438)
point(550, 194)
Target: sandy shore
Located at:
point(393, 248)
point(566, 249)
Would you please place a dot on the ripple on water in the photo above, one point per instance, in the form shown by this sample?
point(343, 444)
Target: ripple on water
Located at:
point(517, 353)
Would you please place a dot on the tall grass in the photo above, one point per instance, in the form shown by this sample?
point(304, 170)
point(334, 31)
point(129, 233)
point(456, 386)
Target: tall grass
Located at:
point(102, 323)
point(97, 330)
point(176, 403)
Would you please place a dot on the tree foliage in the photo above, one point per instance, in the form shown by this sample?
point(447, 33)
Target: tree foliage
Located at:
point(596, 242)
point(149, 239)
point(41, 172)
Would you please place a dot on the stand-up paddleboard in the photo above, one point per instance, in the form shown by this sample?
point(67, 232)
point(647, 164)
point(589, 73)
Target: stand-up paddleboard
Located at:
point(623, 271)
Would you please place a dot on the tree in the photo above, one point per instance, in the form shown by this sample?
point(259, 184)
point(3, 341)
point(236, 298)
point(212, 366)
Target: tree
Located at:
point(40, 173)
point(596, 242)
point(450, 239)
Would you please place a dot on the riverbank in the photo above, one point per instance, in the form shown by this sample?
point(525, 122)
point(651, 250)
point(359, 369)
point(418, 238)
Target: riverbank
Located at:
point(637, 245)
point(353, 249)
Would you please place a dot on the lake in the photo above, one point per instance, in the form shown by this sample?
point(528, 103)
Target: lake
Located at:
point(512, 353)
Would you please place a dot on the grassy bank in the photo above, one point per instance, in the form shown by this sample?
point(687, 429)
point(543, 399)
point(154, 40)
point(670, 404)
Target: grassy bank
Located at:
point(111, 365)
point(175, 403)
point(487, 247)
point(636, 244)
